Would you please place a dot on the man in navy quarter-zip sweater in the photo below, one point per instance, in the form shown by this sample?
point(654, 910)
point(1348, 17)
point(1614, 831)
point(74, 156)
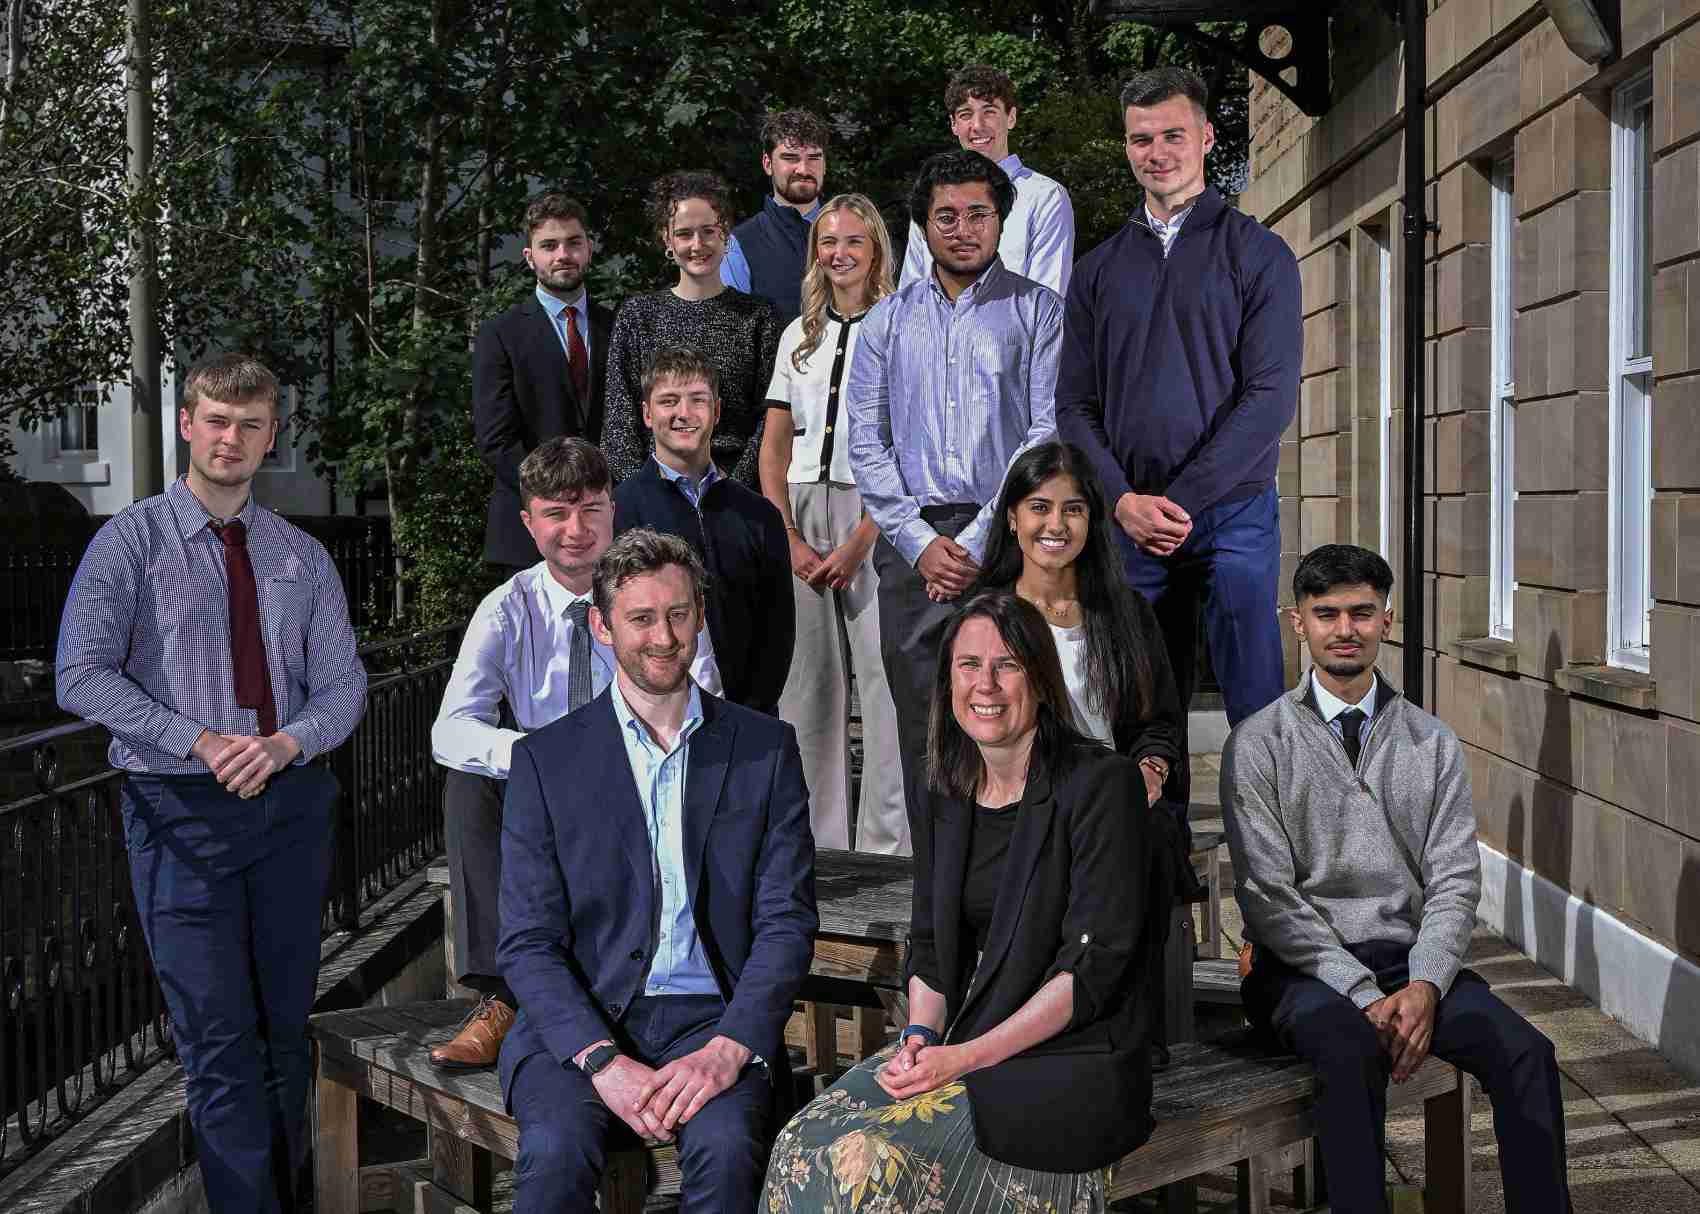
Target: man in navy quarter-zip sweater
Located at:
point(736, 532)
point(766, 255)
point(1182, 342)
point(1349, 817)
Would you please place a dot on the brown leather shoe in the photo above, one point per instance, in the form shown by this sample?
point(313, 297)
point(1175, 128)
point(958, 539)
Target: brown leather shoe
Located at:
point(479, 1040)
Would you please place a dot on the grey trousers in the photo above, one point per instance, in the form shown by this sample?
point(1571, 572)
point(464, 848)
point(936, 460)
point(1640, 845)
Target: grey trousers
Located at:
point(838, 634)
point(472, 832)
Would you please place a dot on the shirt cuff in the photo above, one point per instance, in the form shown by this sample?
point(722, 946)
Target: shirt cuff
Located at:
point(913, 538)
point(306, 734)
point(180, 735)
point(1432, 965)
point(1366, 994)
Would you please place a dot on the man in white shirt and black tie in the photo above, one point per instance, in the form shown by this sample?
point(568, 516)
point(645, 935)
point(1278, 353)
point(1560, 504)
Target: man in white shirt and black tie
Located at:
point(528, 658)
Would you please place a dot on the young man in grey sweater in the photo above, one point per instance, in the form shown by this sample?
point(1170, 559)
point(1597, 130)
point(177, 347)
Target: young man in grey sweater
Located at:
point(1354, 843)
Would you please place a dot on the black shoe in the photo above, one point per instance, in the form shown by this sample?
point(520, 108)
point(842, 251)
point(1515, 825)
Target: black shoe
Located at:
point(1160, 1059)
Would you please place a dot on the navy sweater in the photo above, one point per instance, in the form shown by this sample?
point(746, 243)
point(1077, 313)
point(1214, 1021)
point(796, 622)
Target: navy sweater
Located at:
point(775, 243)
point(1179, 374)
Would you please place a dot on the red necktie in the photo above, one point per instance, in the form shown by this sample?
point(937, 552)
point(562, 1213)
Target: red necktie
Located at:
point(578, 358)
point(247, 650)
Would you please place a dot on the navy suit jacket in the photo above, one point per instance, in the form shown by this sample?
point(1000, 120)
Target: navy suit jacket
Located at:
point(578, 899)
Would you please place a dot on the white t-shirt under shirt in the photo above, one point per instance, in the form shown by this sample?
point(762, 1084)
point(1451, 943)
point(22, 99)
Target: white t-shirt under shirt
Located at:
point(1071, 651)
point(820, 439)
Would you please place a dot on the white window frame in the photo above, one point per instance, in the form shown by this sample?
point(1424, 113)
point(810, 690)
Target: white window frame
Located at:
point(1628, 573)
point(1502, 401)
point(281, 458)
point(1384, 406)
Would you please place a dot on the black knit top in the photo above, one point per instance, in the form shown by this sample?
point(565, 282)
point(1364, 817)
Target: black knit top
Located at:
point(740, 335)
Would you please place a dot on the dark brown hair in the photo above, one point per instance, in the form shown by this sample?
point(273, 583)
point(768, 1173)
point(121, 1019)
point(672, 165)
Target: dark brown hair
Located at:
point(561, 470)
point(636, 553)
point(954, 763)
point(234, 379)
point(671, 189)
point(1161, 83)
point(678, 362)
point(981, 81)
point(544, 207)
point(793, 126)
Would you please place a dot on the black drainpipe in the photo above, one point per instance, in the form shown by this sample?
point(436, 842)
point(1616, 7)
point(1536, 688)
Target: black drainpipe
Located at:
point(1416, 455)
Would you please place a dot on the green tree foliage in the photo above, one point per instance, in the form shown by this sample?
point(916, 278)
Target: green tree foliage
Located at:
point(335, 185)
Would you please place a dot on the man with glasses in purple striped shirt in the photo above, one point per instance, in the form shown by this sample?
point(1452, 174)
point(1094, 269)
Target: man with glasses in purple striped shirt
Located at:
point(212, 640)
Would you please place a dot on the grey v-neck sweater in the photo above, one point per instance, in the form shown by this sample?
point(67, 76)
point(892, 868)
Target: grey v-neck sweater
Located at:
point(1326, 855)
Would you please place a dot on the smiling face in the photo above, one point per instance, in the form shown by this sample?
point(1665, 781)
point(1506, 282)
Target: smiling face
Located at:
point(963, 228)
point(697, 239)
point(1343, 629)
point(652, 629)
point(1051, 523)
point(683, 414)
point(227, 441)
point(983, 127)
point(989, 693)
point(559, 254)
point(1166, 146)
point(845, 251)
point(798, 173)
point(571, 533)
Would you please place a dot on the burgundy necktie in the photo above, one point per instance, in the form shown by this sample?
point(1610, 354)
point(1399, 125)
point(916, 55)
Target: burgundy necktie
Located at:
point(578, 358)
point(247, 650)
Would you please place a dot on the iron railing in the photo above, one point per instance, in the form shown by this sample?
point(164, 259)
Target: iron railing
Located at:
point(81, 1013)
point(35, 579)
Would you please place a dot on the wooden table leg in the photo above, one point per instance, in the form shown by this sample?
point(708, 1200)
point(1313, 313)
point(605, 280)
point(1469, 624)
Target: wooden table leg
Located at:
point(820, 1036)
point(1446, 1150)
point(1177, 964)
point(870, 1031)
point(462, 1170)
point(624, 1183)
point(336, 1143)
point(1253, 1176)
point(896, 1005)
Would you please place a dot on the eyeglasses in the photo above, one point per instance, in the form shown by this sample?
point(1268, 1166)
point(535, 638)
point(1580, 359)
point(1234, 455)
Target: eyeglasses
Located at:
point(975, 218)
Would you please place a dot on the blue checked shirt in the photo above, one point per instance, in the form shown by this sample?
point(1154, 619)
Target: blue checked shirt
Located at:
point(942, 396)
point(144, 645)
point(693, 490)
point(680, 966)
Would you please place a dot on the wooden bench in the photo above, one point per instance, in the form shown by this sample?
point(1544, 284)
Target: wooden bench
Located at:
point(1219, 1105)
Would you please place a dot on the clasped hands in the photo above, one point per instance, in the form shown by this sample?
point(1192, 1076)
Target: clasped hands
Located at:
point(244, 764)
point(1405, 1023)
point(917, 1067)
point(1153, 522)
point(655, 1101)
point(832, 571)
point(948, 569)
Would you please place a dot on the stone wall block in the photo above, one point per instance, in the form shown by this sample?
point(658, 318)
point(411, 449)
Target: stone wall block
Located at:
point(1488, 107)
point(1675, 653)
point(1325, 276)
point(1324, 404)
point(1325, 465)
point(1534, 541)
point(1529, 352)
point(1528, 452)
point(1533, 152)
point(1682, 775)
point(1526, 260)
point(1676, 433)
point(1287, 469)
point(1558, 444)
point(1327, 337)
point(1581, 147)
point(1666, 552)
point(1676, 203)
point(1652, 862)
point(1589, 242)
point(1641, 750)
point(1670, 320)
point(1676, 89)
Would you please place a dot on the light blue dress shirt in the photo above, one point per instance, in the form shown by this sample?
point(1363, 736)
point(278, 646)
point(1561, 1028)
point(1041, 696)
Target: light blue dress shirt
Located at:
point(1331, 706)
point(680, 966)
point(735, 267)
point(555, 307)
point(692, 489)
point(942, 396)
point(1166, 232)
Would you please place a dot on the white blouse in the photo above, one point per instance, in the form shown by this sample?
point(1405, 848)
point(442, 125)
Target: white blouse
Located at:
point(820, 439)
point(1071, 651)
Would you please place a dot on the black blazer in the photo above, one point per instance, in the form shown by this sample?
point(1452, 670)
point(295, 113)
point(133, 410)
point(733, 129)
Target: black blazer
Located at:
point(522, 395)
point(578, 896)
point(740, 537)
point(1072, 899)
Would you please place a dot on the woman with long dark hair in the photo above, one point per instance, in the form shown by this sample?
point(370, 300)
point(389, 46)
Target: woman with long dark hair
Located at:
point(1024, 1071)
point(1054, 548)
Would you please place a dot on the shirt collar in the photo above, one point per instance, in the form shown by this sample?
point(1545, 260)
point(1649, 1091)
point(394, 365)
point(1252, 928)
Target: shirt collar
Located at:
point(1011, 164)
point(1331, 705)
point(559, 598)
point(973, 290)
point(555, 307)
point(192, 516)
point(1174, 222)
point(835, 315)
point(629, 723)
point(807, 216)
point(708, 478)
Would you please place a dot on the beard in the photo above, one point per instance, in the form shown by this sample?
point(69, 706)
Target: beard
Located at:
point(1346, 668)
point(638, 672)
point(798, 192)
point(569, 279)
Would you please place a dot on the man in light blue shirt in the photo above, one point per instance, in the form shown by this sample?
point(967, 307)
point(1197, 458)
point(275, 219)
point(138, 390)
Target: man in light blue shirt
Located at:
point(954, 376)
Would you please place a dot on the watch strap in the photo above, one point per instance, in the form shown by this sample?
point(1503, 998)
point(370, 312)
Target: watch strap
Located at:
point(599, 1058)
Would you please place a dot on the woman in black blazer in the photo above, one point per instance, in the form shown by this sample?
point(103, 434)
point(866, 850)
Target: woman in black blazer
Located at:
point(1025, 1070)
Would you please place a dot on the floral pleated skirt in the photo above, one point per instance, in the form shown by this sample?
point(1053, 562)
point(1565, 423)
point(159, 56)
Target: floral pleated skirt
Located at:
point(855, 1149)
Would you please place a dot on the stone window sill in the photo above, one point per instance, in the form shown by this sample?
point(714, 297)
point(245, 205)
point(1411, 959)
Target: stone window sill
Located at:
point(1492, 652)
point(69, 471)
point(1613, 684)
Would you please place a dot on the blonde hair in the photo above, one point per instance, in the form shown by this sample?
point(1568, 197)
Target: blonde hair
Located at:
point(817, 289)
point(234, 379)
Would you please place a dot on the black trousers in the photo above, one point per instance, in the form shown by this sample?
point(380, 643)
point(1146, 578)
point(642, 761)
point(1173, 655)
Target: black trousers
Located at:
point(1473, 1030)
point(472, 830)
point(911, 625)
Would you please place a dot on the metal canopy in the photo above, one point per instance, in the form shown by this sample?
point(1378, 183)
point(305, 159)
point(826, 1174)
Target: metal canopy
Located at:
point(1306, 59)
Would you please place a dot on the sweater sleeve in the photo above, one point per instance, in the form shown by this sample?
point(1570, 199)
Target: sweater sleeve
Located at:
point(1269, 354)
point(764, 344)
point(1451, 872)
point(624, 439)
point(1277, 916)
point(1080, 400)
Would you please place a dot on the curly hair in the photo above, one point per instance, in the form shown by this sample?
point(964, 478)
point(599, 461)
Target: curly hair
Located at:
point(637, 552)
point(817, 290)
point(959, 168)
point(671, 189)
point(798, 127)
point(553, 205)
point(981, 81)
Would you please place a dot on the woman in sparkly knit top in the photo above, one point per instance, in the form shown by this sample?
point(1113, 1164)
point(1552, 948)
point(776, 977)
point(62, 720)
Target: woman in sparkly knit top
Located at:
point(739, 333)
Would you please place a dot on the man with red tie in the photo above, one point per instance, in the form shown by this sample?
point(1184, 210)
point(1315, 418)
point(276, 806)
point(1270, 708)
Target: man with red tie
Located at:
point(538, 369)
point(211, 638)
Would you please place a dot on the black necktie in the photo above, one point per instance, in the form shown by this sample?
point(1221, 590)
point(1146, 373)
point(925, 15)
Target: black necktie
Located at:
point(1351, 721)
point(578, 656)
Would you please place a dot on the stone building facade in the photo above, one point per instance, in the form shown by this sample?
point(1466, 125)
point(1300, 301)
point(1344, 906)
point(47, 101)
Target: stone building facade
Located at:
point(1562, 599)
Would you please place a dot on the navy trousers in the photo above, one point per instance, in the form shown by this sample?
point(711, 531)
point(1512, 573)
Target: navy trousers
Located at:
point(230, 895)
point(565, 1130)
point(1473, 1030)
point(1230, 565)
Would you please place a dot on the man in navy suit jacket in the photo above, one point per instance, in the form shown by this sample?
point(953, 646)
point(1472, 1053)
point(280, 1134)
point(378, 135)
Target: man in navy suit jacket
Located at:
point(658, 908)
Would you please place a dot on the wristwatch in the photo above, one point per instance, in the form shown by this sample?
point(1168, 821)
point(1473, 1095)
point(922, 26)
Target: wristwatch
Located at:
point(598, 1059)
